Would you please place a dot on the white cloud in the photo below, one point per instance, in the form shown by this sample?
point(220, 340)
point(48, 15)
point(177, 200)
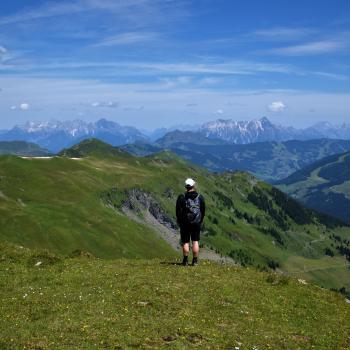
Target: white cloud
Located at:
point(3, 53)
point(312, 48)
point(225, 68)
point(163, 106)
point(180, 81)
point(209, 81)
point(24, 106)
point(283, 33)
point(45, 11)
point(128, 39)
point(219, 112)
point(332, 75)
point(276, 107)
point(133, 108)
point(136, 12)
point(110, 104)
point(149, 68)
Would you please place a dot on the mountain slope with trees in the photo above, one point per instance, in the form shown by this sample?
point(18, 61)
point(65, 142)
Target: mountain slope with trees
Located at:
point(323, 185)
point(100, 199)
point(269, 161)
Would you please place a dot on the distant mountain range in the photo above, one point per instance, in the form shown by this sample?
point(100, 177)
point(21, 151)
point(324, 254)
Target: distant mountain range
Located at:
point(269, 161)
point(260, 130)
point(323, 185)
point(56, 135)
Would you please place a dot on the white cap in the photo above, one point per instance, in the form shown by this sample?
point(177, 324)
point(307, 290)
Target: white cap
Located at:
point(190, 182)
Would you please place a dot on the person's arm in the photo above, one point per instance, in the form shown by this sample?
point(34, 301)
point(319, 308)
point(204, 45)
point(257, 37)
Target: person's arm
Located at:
point(202, 208)
point(179, 209)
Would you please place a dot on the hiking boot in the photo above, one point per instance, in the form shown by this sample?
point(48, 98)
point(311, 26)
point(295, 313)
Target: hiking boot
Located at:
point(195, 262)
point(185, 261)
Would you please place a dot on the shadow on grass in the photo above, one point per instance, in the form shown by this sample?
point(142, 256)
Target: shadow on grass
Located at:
point(170, 263)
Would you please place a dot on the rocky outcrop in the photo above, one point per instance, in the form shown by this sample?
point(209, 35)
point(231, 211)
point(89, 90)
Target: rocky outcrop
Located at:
point(139, 201)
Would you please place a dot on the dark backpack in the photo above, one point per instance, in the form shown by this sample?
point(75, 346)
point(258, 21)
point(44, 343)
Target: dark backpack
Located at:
point(193, 210)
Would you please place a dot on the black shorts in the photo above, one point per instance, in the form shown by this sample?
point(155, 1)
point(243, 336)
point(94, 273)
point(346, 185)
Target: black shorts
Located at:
point(190, 232)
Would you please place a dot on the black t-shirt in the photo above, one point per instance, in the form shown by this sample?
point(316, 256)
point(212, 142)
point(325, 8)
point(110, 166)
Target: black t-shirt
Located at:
point(181, 206)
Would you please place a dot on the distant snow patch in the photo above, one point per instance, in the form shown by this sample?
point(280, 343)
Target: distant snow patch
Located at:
point(36, 157)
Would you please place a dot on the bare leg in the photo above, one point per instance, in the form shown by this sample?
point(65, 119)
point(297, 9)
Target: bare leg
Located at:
point(186, 249)
point(195, 248)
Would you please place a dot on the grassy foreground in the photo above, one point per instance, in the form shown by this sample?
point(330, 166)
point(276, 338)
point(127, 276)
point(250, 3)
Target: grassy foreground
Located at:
point(87, 303)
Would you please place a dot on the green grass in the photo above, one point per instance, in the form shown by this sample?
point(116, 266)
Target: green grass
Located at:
point(22, 148)
point(323, 185)
point(84, 303)
point(55, 204)
point(60, 204)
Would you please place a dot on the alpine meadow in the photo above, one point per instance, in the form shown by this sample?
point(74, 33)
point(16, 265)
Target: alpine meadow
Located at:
point(95, 202)
point(174, 175)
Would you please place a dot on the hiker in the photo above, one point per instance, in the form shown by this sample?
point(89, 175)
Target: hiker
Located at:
point(190, 212)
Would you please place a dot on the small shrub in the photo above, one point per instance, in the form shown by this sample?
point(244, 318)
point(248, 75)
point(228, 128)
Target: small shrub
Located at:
point(277, 279)
point(329, 252)
point(43, 258)
point(273, 264)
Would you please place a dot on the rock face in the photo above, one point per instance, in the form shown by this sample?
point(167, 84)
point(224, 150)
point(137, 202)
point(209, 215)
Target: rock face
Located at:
point(260, 130)
point(141, 206)
point(140, 201)
point(56, 135)
point(242, 132)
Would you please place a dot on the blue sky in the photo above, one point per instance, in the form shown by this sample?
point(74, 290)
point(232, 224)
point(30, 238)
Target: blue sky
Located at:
point(152, 63)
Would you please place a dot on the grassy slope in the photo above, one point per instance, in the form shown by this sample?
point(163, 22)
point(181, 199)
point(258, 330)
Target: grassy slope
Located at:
point(125, 304)
point(57, 204)
point(269, 161)
point(324, 185)
point(22, 148)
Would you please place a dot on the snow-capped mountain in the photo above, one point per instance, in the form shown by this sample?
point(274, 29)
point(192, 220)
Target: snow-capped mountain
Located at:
point(258, 130)
point(55, 135)
point(242, 132)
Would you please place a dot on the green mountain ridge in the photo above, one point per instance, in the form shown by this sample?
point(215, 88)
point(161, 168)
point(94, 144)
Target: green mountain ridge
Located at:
point(191, 137)
point(92, 147)
point(323, 185)
point(269, 161)
point(115, 205)
point(22, 148)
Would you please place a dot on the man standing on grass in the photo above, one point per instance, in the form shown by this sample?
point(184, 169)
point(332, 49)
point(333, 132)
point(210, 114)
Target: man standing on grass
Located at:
point(190, 212)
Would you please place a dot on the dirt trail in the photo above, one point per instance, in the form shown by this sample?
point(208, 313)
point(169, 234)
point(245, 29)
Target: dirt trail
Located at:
point(172, 236)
